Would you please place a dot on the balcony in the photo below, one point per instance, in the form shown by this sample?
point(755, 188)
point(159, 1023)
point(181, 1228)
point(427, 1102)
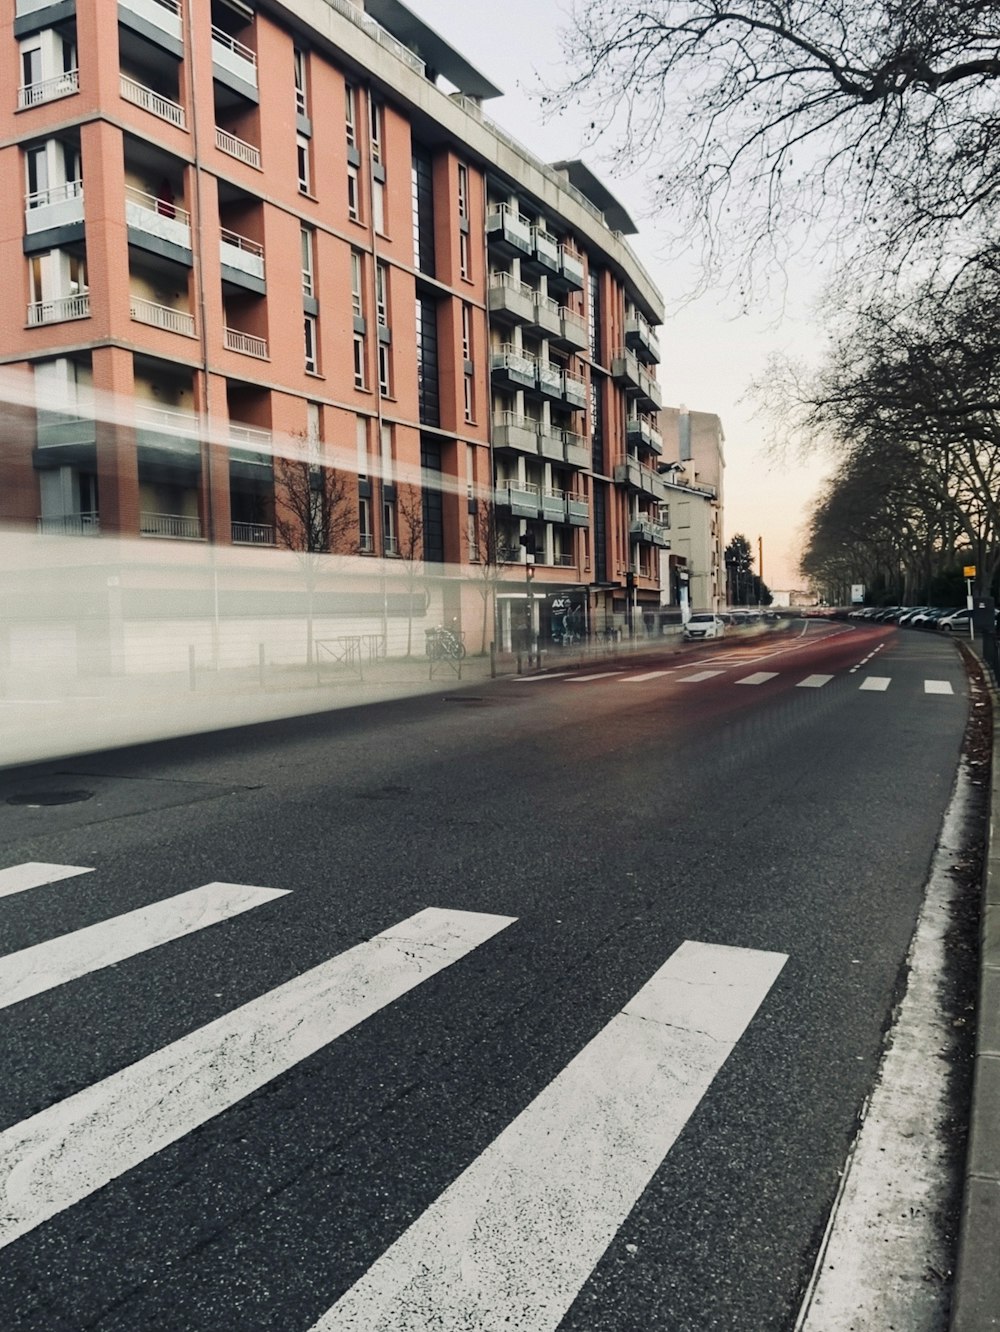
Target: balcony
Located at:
point(577, 511)
point(245, 343)
point(249, 445)
point(252, 534)
point(625, 369)
point(149, 216)
point(241, 254)
point(234, 147)
point(544, 316)
point(510, 368)
point(550, 380)
point(233, 61)
point(171, 434)
point(59, 310)
point(161, 316)
point(572, 331)
point(69, 524)
point(571, 272)
point(650, 393)
point(153, 102)
point(574, 391)
point(58, 206)
point(544, 257)
point(48, 90)
point(61, 430)
point(635, 476)
point(550, 443)
point(576, 449)
point(507, 296)
point(508, 232)
point(553, 506)
point(522, 498)
point(641, 339)
point(642, 435)
point(515, 434)
point(648, 533)
point(179, 526)
point(162, 17)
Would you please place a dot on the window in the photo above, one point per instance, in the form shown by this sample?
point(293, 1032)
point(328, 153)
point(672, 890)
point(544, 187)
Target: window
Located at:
point(422, 202)
point(359, 361)
point(37, 167)
point(31, 65)
point(353, 194)
point(311, 349)
point(466, 332)
point(390, 545)
point(382, 295)
point(375, 117)
point(308, 285)
point(361, 430)
point(357, 302)
point(350, 115)
point(463, 253)
point(463, 191)
point(77, 275)
point(470, 399)
point(384, 382)
point(299, 61)
point(365, 539)
point(302, 158)
point(378, 206)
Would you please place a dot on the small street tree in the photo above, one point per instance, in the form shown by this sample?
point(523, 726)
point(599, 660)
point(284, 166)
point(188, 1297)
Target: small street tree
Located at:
point(491, 555)
point(313, 517)
point(410, 507)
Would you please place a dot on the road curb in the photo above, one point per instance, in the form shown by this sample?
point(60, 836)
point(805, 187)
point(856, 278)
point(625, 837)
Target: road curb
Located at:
point(976, 1298)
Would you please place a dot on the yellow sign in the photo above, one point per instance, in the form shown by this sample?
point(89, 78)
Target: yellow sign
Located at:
point(969, 571)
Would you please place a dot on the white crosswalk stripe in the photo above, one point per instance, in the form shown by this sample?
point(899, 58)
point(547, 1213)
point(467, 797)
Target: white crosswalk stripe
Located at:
point(814, 682)
point(512, 1240)
point(36, 874)
point(65, 1152)
point(46, 965)
point(877, 683)
point(937, 687)
point(698, 677)
point(641, 679)
point(586, 679)
point(758, 678)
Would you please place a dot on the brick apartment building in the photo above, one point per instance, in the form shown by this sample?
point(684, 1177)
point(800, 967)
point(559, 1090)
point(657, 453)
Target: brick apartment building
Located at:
point(249, 224)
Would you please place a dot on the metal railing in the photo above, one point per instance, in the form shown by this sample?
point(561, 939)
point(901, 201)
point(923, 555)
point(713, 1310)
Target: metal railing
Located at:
point(366, 543)
point(176, 525)
point(375, 30)
point(246, 343)
point(390, 545)
point(244, 243)
point(184, 423)
point(70, 524)
point(253, 534)
point(150, 203)
point(151, 101)
point(55, 311)
point(244, 152)
point(47, 90)
point(231, 44)
point(251, 436)
point(161, 316)
point(69, 189)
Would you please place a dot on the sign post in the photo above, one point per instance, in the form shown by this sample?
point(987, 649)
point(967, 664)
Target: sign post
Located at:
point(969, 572)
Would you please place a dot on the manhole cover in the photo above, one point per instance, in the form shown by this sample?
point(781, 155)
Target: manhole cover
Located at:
point(36, 798)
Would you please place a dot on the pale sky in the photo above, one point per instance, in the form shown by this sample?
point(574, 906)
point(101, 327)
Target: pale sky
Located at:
point(710, 352)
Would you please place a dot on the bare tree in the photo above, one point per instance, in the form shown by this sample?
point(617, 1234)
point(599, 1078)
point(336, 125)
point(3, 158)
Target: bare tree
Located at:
point(410, 506)
point(871, 126)
point(492, 553)
point(314, 517)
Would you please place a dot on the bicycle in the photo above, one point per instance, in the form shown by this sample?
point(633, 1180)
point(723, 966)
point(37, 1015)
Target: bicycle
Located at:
point(444, 645)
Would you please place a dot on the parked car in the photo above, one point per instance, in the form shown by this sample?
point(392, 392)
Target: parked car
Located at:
point(957, 620)
point(704, 625)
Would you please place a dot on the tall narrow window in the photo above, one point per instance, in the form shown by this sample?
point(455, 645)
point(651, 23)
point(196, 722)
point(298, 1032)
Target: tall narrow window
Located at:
point(308, 283)
point(470, 399)
point(428, 391)
point(466, 332)
point(382, 295)
point(422, 191)
point(463, 191)
point(353, 194)
point(378, 206)
point(299, 63)
point(361, 431)
point(357, 302)
point(302, 158)
point(365, 540)
point(375, 114)
point(359, 361)
point(384, 370)
point(312, 354)
point(463, 253)
point(351, 115)
point(37, 165)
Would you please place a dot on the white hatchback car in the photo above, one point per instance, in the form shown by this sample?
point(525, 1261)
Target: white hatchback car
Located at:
point(704, 625)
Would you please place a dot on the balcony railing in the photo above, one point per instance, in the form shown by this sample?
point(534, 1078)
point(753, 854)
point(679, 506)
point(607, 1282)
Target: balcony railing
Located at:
point(60, 309)
point(390, 545)
point(253, 534)
point(161, 316)
point(377, 33)
point(157, 217)
point(47, 90)
point(139, 95)
point(250, 437)
point(70, 524)
point(366, 543)
point(176, 525)
point(242, 253)
point(229, 143)
point(246, 343)
point(69, 189)
point(234, 56)
point(58, 206)
point(164, 15)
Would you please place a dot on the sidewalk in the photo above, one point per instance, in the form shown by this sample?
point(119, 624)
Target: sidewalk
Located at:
point(976, 1298)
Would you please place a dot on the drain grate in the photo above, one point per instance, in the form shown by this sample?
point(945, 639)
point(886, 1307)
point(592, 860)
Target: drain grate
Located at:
point(35, 799)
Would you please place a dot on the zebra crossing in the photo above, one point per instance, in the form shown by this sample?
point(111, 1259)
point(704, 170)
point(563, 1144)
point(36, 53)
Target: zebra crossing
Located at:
point(866, 684)
point(512, 1239)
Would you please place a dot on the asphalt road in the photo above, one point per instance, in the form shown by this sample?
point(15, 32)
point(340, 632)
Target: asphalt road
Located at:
point(607, 1082)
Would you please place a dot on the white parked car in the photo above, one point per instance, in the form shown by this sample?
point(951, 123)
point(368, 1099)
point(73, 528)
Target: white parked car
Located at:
point(704, 625)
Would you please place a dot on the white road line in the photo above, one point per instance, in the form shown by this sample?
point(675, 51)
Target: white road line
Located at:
point(586, 679)
point(639, 679)
point(512, 1240)
point(46, 965)
point(937, 687)
point(814, 682)
point(64, 1153)
point(34, 874)
point(533, 679)
point(699, 676)
point(876, 682)
point(758, 677)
